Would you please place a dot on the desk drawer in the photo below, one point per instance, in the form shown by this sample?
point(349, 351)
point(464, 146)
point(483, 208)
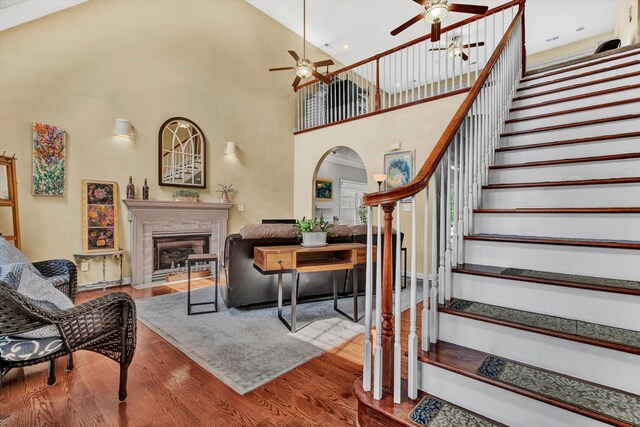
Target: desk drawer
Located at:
point(278, 261)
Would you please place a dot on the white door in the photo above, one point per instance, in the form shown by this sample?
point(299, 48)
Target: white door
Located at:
point(351, 194)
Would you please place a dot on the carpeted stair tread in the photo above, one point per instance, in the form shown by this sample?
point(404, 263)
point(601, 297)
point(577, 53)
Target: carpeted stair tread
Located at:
point(603, 284)
point(571, 241)
point(608, 402)
point(602, 403)
point(577, 330)
point(435, 412)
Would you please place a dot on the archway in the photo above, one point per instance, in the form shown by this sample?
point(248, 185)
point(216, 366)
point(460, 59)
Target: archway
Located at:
point(339, 182)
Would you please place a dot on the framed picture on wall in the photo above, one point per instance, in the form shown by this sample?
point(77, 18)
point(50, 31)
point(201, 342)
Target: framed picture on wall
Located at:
point(324, 190)
point(99, 216)
point(48, 160)
point(399, 167)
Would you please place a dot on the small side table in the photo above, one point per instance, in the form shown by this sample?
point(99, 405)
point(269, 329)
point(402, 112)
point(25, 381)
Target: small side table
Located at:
point(119, 254)
point(193, 258)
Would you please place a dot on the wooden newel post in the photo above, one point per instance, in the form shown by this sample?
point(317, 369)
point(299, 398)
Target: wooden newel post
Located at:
point(377, 106)
point(387, 295)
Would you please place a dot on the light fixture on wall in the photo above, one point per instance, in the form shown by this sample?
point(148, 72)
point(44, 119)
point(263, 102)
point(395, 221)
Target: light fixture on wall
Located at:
point(232, 149)
point(379, 178)
point(123, 128)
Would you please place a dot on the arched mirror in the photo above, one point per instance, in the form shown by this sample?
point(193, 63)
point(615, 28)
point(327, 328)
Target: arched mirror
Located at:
point(183, 161)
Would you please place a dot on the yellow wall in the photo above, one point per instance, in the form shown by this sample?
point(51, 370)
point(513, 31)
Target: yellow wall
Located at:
point(418, 127)
point(145, 61)
point(627, 26)
point(567, 49)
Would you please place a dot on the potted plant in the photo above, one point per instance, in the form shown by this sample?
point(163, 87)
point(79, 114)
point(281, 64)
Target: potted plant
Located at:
point(313, 231)
point(184, 195)
point(225, 190)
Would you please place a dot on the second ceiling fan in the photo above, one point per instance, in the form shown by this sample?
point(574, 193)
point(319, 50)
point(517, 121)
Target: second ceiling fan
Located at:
point(305, 68)
point(435, 11)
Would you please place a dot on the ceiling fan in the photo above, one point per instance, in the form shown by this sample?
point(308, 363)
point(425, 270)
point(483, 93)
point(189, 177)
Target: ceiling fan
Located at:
point(456, 47)
point(305, 68)
point(435, 11)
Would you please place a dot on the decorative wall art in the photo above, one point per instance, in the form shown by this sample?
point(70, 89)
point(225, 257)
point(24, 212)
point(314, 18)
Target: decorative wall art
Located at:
point(399, 167)
point(99, 215)
point(324, 190)
point(48, 160)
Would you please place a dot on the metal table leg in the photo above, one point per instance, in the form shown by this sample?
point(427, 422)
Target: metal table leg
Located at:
point(295, 279)
point(353, 318)
point(190, 304)
point(104, 273)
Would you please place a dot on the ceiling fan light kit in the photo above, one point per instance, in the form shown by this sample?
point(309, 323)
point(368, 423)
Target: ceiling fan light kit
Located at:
point(436, 11)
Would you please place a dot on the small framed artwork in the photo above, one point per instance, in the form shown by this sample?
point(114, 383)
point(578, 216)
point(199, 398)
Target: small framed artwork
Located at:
point(399, 167)
point(48, 160)
point(324, 190)
point(99, 216)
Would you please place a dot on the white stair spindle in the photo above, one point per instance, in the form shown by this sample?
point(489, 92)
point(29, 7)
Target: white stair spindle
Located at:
point(413, 337)
point(426, 285)
point(460, 195)
point(447, 222)
point(377, 360)
point(397, 315)
point(434, 297)
point(454, 228)
point(442, 239)
point(368, 299)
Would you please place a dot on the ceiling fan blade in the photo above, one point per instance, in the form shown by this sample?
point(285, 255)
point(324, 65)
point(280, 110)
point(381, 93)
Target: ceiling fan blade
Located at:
point(435, 31)
point(468, 8)
point(295, 55)
point(406, 25)
point(438, 48)
point(464, 56)
point(282, 69)
point(421, 2)
point(320, 77)
point(296, 82)
point(465, 46)
point(324, 63)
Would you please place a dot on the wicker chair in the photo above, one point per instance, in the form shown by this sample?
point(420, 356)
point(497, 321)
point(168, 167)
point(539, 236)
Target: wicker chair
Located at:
point(105, 325)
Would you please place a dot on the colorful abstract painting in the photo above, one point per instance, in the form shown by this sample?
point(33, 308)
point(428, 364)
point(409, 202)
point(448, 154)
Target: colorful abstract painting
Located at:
point(324, 190)
point(48, 160)
point(398, 165)
point(99, 216)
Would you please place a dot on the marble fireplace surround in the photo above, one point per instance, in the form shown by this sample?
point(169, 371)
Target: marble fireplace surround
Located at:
point(149, 218)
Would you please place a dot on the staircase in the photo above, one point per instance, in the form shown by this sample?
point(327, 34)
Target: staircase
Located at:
point(532, 314)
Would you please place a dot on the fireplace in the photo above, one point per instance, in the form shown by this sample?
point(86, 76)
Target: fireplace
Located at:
point(171, 251)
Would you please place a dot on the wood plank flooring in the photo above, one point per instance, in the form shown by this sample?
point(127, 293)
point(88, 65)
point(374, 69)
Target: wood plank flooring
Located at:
point(166, 388)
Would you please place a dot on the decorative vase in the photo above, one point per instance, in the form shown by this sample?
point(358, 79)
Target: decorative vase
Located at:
point(314, 238)
point(145, 190)
point(131, 189)
point(224, 198)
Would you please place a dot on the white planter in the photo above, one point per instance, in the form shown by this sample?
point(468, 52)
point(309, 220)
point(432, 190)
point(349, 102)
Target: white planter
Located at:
point(316, 238)
point(185, 199)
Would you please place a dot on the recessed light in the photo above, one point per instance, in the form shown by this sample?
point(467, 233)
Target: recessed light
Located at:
point(345, 46)
point(398, 84)
point(579, 28)
point(552, 39)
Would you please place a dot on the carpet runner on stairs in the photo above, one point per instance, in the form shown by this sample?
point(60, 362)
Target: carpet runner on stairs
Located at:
point(588, 280)
point(616, 404)
point(599, 334)
point(435, 412)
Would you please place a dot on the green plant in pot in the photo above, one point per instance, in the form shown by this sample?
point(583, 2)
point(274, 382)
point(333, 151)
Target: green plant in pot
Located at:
point(184, 195)
point(314, 232)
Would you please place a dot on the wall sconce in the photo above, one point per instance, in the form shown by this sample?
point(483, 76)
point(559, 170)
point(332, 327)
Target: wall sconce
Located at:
point(380, 178)
point(232, 149)
point(123, 128)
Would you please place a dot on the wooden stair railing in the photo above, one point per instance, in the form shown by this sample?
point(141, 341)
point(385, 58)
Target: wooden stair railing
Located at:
point(457, 169)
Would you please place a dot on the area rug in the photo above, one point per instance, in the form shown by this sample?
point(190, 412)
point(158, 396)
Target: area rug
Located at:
point(580, 328)
point(573, 278)
point(616, 404)
point(434, 412)
point(248, 348)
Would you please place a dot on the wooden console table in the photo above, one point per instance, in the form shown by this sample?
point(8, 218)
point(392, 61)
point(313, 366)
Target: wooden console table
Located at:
point(296, 259)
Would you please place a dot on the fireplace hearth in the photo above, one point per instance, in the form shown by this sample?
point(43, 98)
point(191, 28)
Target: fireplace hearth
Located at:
point(171, 251)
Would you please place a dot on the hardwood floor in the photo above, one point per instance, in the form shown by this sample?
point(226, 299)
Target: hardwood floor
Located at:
point(166, 388)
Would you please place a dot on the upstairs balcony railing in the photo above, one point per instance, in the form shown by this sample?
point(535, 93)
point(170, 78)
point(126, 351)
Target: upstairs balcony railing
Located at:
point(453, 175)
point(408, 74)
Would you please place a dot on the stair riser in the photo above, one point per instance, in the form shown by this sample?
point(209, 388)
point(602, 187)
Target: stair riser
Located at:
point(588, 196)
point(585, 131)
point(594, 170)
point(604, 308)
point(579, 80)
point(501, 405)
point(584, 69)
point(594, 226)
point(587, 149)
point(582, 116)
point(597, 364)
point(569, 105)
point(585, 261)
point(577, 91)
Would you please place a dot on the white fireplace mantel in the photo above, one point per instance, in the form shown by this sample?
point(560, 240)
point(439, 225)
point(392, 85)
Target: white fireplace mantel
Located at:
point(148, 217)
